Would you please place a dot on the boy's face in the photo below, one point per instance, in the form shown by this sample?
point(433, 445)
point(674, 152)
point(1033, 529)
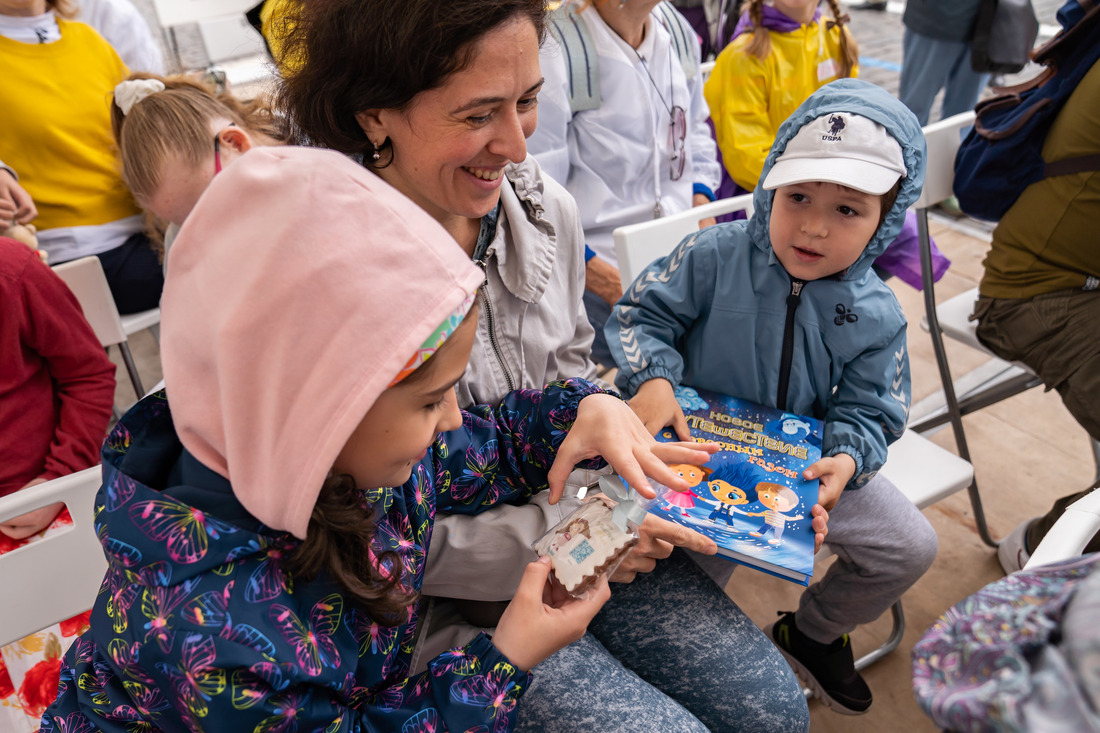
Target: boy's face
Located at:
point(819, 229)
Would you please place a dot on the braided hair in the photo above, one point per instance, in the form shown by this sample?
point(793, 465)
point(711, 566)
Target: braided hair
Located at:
point(761, 44)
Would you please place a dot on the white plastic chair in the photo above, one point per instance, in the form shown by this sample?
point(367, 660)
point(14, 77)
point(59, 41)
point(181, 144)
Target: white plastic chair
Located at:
point(943, 139)
point(226, 34)
point(997, 379)
point(925, 473)
point(637, 245)
point(58, 577)
point(1069, 535)
point(86, 279)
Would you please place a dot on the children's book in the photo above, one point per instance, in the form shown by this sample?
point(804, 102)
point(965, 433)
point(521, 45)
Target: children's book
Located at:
point(750, 497)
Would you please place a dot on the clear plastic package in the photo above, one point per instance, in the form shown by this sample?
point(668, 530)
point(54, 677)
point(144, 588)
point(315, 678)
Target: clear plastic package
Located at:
point(588, 544)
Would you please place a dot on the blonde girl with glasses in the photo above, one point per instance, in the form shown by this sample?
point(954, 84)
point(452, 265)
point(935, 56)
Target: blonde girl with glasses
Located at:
point(174, 135)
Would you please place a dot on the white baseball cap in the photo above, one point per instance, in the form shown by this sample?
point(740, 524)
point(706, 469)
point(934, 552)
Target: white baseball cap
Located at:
point(840, 148)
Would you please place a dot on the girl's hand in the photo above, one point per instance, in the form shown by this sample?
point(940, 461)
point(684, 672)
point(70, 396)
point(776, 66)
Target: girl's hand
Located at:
point(834, 472)
point(540, 621)
point(31, 523)
point(656, 539)
point(606, 427)
point(655, 405)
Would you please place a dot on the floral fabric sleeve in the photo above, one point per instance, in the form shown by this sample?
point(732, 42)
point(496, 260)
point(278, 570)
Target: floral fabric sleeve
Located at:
point(503, 453)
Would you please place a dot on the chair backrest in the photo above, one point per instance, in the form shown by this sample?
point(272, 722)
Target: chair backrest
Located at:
point(637, 245)
point(178, 12)
point(86, 279)
point(1069, 535)
point(57, 577)
point(943, 139)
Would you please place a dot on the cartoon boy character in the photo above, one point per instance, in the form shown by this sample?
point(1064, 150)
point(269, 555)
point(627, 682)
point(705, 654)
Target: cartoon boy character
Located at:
point(684, 500)
point(778, 499)
point(729, 497)
point(729, 484)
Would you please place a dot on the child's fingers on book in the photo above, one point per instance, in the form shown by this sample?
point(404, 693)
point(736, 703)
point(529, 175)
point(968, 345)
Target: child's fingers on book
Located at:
point(680, 425)
point(686, 451)
point(657, 468)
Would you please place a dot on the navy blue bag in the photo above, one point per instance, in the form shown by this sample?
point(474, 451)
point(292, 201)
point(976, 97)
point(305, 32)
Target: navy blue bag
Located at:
point(1002, 153)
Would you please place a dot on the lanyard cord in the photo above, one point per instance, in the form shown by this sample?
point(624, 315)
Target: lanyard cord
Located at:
point(656, 143)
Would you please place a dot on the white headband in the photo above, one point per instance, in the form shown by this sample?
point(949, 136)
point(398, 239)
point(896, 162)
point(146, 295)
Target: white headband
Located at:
point(130, 92)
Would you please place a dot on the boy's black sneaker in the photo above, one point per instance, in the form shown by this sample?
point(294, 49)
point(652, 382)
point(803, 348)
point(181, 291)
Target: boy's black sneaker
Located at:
point(827, 669)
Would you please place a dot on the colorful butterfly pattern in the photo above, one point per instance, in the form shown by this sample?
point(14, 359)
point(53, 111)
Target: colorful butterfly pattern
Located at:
point(313, 645)
point(201, 625)
point(479, 474)
point(185, 530)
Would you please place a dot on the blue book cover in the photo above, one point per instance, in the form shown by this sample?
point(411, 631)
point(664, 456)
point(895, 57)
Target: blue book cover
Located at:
point(750, 497)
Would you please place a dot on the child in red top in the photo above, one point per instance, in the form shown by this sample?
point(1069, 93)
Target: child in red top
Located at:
point(57, 385)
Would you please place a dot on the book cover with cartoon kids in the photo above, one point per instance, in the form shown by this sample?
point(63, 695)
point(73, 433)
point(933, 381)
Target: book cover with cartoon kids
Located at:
point(750, 497)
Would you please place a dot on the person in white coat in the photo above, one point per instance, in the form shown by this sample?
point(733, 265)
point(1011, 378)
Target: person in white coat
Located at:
point(127, 31)
point(623, 125)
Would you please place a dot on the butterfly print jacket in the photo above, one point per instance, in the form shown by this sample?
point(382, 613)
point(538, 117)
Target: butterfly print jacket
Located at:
point(198, 627)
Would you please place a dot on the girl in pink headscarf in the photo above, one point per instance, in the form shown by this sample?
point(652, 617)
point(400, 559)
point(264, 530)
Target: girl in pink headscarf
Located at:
point(266, 517)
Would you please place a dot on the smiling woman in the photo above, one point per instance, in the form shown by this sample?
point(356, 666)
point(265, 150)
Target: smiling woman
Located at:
point(438, 100)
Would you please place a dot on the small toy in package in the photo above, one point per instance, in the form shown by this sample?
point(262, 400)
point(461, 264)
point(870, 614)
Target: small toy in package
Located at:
point(587, 545)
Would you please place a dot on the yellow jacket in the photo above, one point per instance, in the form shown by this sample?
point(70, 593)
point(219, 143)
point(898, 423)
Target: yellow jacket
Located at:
point(750, 98)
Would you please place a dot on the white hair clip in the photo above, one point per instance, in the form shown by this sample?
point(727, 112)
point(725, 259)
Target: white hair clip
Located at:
point(130, 92)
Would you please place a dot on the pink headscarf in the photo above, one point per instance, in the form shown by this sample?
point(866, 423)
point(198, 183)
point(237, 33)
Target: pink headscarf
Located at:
point(298, 288)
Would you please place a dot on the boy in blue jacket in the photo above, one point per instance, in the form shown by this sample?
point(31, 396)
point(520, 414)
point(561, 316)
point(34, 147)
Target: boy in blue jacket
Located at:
point(785, 310)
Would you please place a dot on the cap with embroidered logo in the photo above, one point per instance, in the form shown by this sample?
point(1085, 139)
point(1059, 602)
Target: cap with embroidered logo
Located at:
point(840, 148)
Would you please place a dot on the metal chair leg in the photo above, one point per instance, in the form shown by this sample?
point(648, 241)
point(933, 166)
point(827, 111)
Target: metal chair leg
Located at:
point(945, 371)
point(891, 643)
point(128, 360)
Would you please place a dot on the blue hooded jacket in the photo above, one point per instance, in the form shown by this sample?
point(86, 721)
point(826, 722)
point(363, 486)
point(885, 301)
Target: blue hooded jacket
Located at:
point(717, 311)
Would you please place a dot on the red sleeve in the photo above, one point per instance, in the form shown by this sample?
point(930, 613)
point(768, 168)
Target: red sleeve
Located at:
point(83, 377)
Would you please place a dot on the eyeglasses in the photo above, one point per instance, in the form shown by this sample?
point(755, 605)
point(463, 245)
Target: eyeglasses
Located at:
point(677, 131)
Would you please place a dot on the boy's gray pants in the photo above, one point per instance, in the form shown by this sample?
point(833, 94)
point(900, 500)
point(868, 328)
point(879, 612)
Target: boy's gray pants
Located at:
point(883, 545)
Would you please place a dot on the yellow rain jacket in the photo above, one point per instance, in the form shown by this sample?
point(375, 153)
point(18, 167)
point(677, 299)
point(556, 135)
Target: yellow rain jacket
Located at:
point(750, 98)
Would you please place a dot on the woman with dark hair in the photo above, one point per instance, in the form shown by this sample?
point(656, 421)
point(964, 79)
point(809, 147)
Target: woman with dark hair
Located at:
point(438, 100)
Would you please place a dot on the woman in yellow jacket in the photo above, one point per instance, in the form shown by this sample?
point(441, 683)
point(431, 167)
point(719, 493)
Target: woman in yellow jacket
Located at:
point(780, 54)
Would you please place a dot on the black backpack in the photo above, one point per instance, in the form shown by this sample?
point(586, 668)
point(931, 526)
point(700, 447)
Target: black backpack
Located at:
point(1002, 153)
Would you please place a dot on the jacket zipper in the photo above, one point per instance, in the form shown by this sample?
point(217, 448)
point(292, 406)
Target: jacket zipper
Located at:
point(492, 331)
point(793, 300)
